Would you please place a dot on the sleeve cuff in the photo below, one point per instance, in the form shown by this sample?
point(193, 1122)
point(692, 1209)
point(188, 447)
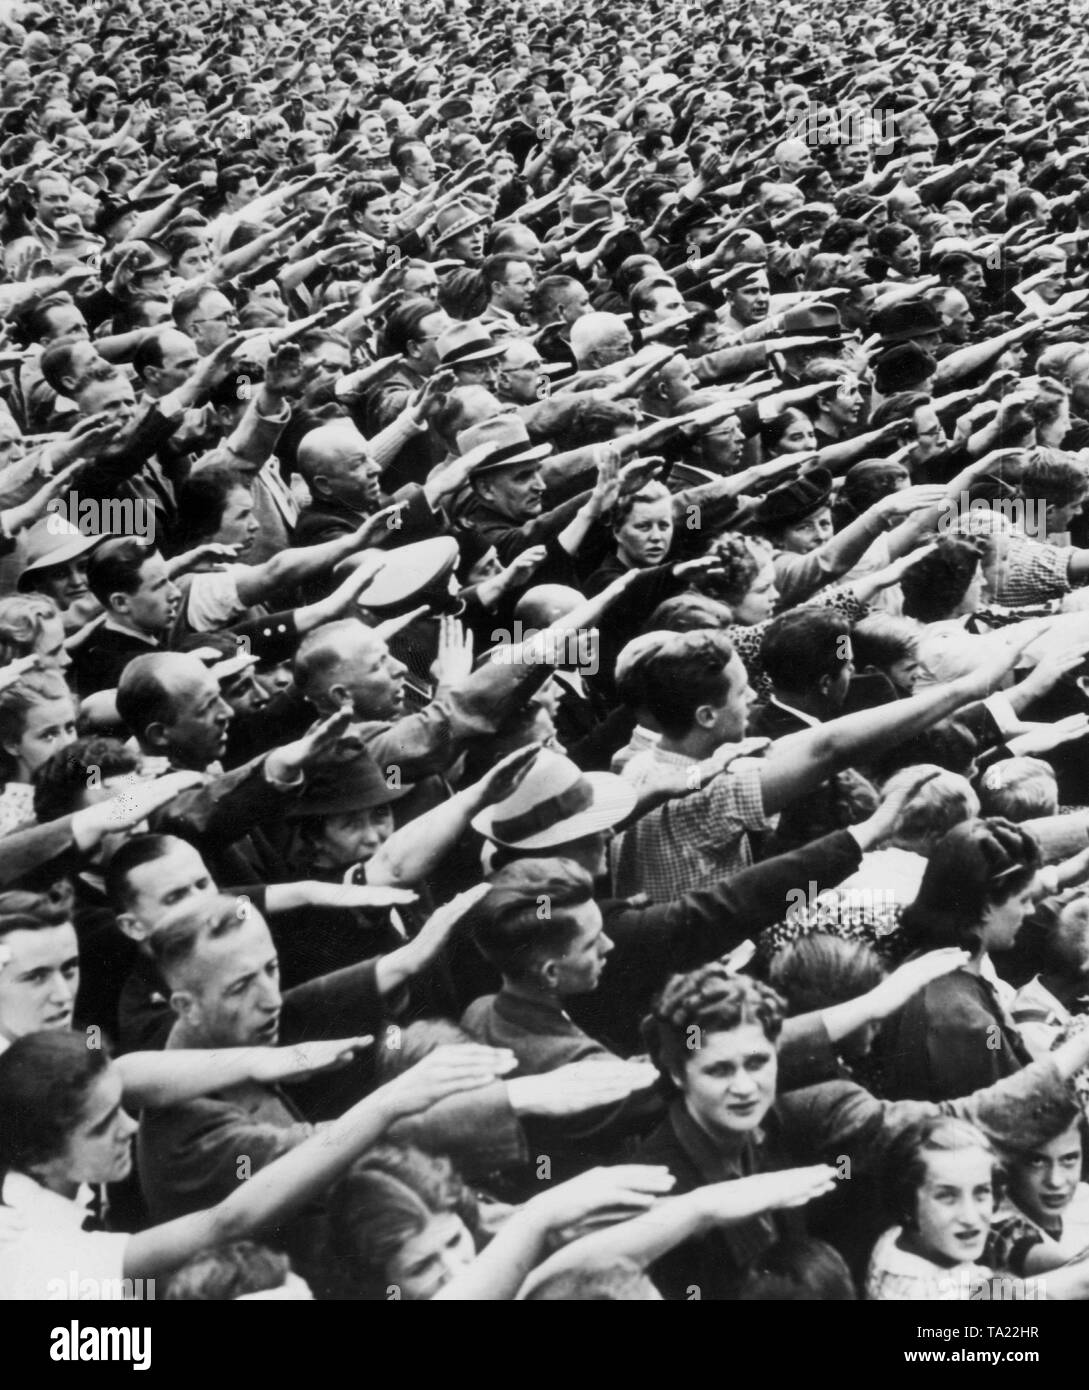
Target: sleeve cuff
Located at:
point(1002, 712)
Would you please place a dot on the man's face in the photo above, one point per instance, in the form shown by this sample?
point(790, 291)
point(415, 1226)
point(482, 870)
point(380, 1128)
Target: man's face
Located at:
point(1044, 1180)
point(12, 445)
point(972, 284)
point(957, 315)
point(99, 1146)
point(54, 200)
point(729, 1082)
point(196, 728)
point(516, 493)
point(376, 219)
point(929, 434)
point(613, 348)
point(668, 302)
point(65, 321)
point(515, 291)
point(327, 362)
point(352, 478)
point(578, 970)
point(38, 983)
point(421, 171)
point(855, 160)
point(215, 320)
point(483, 373)
point(245, 193)
point(658, 117)
point(180, 358)
point(907, 257)
point(722, 445)
point(154, 605)
point(373, 679)
point(520, 377)
point(273, 144)
point(232, 988)
point(163, 884)
point(750, 302)
point(732, 715)
point(430, 330)
point(468, 247)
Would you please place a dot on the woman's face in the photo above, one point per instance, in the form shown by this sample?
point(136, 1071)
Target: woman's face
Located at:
point(354, 837)
point(239, 525)
point(49, 644)
point(798, 437)
point(646, 533)
point(1043, 1181)
point(50, 725)
point(38, 980)
point(759, 603)
point(487, 567)
point(426, 1262)
point(954, 1205)
point(1002, 921)
point(729, 1082)
point(806, 536)
point(99, 1148)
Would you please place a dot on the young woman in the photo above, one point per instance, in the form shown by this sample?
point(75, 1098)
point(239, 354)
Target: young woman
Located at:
point(1043, 1220)
point(65, 1127)
point(944, 1182)
point(37, 717)
point(955, 1036)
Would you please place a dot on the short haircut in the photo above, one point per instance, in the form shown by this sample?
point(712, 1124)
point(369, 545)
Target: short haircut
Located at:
point(114, 567)
point(683, 674)
point(175, 943)
point(804, 646)
point(202, 502)
point(528, 916)
point(711, 1000)
point(131, 854)
point(549, 294)
point(62, 780)
point(883, 639)
point(403, 323)
point(1019, 789)
point(934, 585)
point(818, 970)
point(497, 268)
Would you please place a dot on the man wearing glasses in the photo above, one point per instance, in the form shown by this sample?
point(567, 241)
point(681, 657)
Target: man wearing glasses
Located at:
point(207, 316)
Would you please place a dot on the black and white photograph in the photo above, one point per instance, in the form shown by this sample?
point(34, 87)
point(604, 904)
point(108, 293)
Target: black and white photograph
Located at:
point(544, 664)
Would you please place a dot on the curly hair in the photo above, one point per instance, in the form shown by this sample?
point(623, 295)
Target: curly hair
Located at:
point(738, 560)
point(21, 619)
point(708, 1000)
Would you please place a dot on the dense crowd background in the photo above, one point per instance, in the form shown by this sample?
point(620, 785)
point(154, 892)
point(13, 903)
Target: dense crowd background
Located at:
point(543, 651)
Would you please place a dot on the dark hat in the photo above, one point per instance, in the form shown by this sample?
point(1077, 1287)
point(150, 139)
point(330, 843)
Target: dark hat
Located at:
point(911, 318)
point(454, 220)
point(354, 785)
point(453, 107)
point(793, 502)
point(816, 317)
point(903, 368)
point(588, 209)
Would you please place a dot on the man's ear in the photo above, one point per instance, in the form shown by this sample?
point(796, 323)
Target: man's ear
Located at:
point(132, 927)
point(185, 1005)
point(118, 602)
point(337, 695)
point(547, 974)
point(156, 736)
point(705, 716)
point(319, 485)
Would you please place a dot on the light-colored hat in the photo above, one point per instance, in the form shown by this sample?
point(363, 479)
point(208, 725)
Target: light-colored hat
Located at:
point(554, 803)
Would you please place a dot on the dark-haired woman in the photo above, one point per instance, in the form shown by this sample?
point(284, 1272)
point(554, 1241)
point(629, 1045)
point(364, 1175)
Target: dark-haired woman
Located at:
point(955, 1035)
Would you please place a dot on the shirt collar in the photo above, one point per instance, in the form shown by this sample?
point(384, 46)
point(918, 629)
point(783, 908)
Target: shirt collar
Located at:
point(713, 1165)
point(48, 1211)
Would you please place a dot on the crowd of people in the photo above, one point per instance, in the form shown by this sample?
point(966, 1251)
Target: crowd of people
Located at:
point(544, 650)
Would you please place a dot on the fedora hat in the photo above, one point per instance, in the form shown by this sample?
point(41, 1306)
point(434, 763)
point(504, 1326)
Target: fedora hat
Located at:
point(467, 342)
point(911, 318)
point(513, 445)
point(454, 220)
point(354, 785)
point(556, 802)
